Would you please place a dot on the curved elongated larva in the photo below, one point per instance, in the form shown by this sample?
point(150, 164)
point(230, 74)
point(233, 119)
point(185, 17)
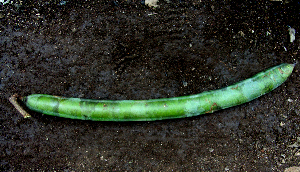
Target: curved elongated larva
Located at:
point(165, 108)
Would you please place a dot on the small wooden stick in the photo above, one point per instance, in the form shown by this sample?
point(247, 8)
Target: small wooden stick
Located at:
point(13, 100)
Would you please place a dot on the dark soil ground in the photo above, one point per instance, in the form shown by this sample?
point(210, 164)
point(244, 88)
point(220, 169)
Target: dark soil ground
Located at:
point(125, 50)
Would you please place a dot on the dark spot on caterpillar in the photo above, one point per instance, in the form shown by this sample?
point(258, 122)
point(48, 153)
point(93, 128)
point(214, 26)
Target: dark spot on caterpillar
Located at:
point(235, 87)
point(212, 108)
point(268, 88)
point(85, 117)
point(280, 70)
point(56, 106)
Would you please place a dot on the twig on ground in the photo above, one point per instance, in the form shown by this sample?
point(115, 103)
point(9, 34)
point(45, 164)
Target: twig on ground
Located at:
point(13, 100)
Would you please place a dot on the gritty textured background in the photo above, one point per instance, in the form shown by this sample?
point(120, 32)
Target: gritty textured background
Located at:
point(127, 50)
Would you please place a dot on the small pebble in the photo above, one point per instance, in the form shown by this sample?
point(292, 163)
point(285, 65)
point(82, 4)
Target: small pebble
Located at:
point(292, 169)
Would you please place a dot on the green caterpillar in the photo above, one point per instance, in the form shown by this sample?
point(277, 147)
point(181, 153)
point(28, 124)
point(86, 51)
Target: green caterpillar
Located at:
point(160, 109)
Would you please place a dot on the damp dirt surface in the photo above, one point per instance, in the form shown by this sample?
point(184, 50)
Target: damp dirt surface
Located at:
point(122, 50)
